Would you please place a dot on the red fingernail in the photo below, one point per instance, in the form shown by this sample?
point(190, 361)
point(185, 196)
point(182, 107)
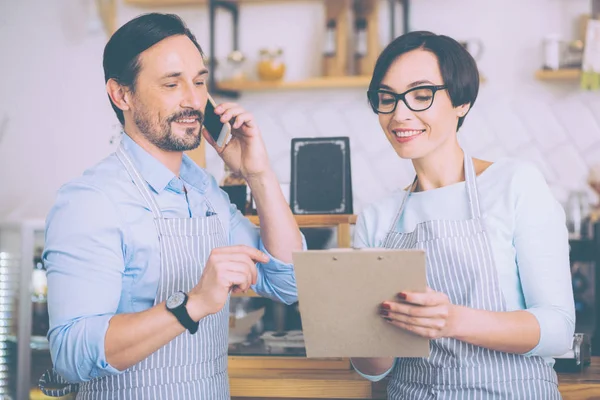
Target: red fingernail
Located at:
point(386, 306)
point(401, 296)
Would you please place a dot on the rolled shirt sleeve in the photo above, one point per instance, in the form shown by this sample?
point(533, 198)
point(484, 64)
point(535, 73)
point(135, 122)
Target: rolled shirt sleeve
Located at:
point(84, 259)
point(542, 256)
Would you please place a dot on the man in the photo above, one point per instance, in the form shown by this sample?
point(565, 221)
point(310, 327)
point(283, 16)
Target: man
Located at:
point(143, 250)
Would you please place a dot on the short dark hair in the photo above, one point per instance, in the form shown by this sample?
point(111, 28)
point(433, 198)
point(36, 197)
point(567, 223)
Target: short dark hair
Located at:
point(121, 54)
point(458, 68)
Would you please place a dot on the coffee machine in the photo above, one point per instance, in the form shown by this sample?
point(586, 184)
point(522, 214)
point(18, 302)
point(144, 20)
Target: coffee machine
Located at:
point(585, 259)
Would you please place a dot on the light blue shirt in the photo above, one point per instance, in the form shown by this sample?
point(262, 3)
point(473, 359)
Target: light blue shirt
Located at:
point(527, 232)
point(102, 252)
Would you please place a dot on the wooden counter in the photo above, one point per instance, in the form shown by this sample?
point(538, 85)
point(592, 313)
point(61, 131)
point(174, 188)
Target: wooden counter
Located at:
point(343, 383)
point(579, 386)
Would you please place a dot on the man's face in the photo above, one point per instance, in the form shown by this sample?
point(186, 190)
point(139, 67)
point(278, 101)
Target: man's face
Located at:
point(170, 94)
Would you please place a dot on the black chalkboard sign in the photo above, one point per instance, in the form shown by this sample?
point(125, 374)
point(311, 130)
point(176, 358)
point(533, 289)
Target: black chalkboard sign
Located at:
point(321, 181)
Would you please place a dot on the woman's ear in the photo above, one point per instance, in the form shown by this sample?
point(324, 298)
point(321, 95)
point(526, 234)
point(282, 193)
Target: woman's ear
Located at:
point(461, 111)
point(118, 94)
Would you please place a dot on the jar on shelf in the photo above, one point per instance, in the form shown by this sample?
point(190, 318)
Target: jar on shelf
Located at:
point(271, 66)
point(236, 66)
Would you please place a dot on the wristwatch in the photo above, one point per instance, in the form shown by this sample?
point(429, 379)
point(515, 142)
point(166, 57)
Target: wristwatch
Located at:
point(176, 305)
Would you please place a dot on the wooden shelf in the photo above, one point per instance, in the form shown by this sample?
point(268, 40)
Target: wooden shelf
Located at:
point(173, 3)
point(317, 221)
point(313, 83)
point(561, 74)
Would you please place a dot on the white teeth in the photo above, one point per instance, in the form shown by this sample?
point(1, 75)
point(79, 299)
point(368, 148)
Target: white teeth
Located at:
point(186, 121)
point(407, 133)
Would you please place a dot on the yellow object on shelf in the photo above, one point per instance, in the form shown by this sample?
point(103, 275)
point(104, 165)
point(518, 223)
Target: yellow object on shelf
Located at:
point(37, 394)
point(271, 66)
point(590, 80)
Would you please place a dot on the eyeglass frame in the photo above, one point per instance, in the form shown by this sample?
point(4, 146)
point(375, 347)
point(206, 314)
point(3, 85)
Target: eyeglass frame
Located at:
point(402, 96)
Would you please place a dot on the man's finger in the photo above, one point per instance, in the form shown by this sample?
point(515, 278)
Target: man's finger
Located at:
point(239, 280)
point(223, 107)
point(231, 114)
point(254, 254)
point(244, 118)
point(245, 262)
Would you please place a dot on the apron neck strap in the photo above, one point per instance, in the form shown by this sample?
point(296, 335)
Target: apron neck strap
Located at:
point(470, 184)
point(139, 182)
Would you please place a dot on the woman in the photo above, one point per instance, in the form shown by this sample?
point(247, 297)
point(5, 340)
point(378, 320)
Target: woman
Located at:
point(499, 303)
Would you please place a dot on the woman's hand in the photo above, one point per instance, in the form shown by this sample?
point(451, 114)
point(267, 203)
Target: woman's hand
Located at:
point(428, 314)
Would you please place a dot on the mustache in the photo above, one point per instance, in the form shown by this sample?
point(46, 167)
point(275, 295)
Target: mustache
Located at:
point(187, 114)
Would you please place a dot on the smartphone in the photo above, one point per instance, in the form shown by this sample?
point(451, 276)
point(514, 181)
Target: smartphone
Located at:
point(218, 131)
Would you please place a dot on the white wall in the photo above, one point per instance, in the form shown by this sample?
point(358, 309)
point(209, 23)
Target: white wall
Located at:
point(60, 121)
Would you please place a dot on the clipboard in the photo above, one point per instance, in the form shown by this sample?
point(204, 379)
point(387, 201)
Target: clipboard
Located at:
point(339, 297)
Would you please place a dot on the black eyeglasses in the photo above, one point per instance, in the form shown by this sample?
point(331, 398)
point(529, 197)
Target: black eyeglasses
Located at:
point(416, 99)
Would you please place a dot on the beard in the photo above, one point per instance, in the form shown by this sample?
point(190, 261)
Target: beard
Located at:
point(160, 134)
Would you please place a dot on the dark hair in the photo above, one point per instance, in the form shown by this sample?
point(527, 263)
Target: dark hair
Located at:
point(121, 54)
point(458, 68)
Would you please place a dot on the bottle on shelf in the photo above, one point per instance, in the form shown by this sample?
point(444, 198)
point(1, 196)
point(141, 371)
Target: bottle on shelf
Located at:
point(361, 44)
point(39, 303)
point(330, 39)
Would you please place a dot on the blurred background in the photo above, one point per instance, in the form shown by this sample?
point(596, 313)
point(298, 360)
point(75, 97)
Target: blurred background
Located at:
point(55, 118)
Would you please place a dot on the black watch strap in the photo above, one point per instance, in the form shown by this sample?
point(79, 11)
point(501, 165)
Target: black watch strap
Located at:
point(181, 313)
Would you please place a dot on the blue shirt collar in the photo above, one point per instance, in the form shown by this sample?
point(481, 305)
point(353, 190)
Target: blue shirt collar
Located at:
point(158, 176)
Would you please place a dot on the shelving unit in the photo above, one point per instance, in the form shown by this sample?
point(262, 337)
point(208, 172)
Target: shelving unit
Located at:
point(561, 74)
point(233, 89)
point(18, 241)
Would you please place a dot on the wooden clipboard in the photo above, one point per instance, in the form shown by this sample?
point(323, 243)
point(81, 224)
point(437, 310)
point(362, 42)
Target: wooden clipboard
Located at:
point(339, 294)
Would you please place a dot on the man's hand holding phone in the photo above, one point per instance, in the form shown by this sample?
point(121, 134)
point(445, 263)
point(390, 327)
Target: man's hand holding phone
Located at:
point(245, 152)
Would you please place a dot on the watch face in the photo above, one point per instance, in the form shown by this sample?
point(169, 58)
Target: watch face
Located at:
point(175, 300)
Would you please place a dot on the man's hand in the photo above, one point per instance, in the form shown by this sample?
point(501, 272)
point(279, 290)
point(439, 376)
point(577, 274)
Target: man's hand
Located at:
point(428, 314)
point(227, 269)
point(245, 153)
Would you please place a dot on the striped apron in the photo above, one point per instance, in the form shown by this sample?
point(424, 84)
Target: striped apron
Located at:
point(460, 264)
point(190, 366)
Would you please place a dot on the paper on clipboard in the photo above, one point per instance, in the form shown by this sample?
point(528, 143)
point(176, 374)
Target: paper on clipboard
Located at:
point(339, 294)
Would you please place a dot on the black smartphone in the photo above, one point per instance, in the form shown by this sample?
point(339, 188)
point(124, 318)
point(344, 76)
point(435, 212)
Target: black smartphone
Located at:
point(218, 131)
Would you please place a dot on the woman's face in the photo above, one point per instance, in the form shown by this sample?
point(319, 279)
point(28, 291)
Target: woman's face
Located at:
point(417, 134)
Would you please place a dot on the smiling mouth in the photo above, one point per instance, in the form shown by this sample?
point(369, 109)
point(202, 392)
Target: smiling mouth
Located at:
point(407, 133)
point(186, 121)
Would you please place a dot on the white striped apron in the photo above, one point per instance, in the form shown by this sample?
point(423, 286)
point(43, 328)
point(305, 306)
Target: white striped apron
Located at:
point(460, 264)
point(190, 366)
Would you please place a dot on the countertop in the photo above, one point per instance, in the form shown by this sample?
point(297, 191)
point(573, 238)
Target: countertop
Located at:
point(286, 378)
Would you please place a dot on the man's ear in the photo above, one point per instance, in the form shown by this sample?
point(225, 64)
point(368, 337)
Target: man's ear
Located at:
point(119, 94)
